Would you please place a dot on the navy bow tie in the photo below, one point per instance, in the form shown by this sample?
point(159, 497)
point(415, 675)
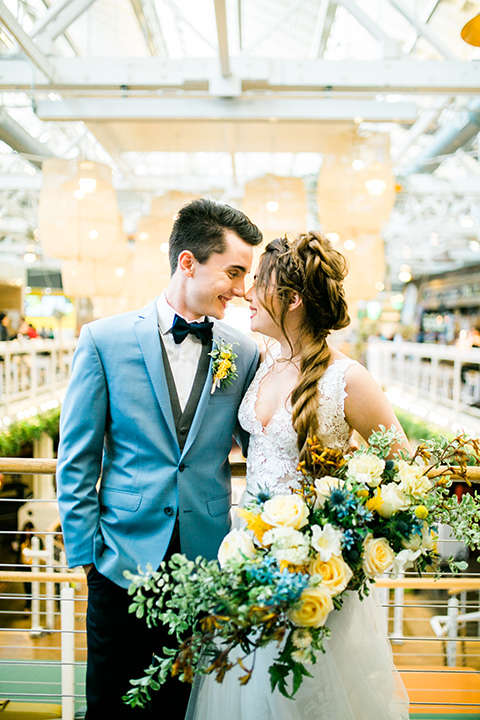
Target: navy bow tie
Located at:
point(181, 328)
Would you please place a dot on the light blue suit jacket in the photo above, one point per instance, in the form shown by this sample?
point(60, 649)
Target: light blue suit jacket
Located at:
point(117, 425)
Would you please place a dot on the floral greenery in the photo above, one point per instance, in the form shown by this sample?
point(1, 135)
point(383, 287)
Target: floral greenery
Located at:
point(351, 519)
point(24, 432)
point(224, 368)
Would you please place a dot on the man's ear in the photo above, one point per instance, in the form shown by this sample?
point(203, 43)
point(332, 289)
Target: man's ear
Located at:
point(295, 301)
point(186, 263)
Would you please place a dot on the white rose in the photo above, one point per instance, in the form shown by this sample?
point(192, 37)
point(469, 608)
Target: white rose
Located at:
point(366, 469)
point(424, 541)
point(289, 510)
point(323, 488)
point(412, 479)
point(236, 545)
point(326, 541)
point(393, 500)
point(288, 545)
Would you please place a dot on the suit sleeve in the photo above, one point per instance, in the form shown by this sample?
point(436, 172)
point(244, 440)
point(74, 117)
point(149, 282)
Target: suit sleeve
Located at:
point(82, 429)
point(241, 436)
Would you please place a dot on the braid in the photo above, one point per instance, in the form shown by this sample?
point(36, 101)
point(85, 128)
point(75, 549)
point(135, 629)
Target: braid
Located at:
point(314, 359)
point(310, 267)
point(323, 270)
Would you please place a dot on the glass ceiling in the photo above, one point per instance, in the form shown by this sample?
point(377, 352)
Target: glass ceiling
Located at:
point(63, 66)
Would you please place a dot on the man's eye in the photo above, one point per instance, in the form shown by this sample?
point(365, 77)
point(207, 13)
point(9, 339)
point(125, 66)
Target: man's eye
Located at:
point(233, 273)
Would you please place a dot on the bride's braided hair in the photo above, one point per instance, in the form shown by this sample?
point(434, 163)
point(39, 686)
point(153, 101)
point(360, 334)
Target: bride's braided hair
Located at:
point(309, 266)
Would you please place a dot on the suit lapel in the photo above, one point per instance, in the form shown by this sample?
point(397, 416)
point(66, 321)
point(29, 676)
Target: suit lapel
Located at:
point(202, 403)
point(146, 329)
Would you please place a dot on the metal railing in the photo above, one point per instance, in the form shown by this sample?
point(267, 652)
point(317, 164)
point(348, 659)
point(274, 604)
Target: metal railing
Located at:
point(441, 382)
point(434, 625)
point(32, 372)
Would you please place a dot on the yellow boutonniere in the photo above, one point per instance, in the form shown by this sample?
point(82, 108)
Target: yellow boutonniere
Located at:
point(223, 366)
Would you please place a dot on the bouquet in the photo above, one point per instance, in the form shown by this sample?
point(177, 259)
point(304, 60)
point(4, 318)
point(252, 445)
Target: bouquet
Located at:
point(353, 518)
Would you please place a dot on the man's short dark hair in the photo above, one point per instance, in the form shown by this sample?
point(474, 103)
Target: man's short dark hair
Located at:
point(200, 227)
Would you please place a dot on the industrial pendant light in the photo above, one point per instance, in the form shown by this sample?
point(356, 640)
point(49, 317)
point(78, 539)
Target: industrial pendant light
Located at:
point(471, 31)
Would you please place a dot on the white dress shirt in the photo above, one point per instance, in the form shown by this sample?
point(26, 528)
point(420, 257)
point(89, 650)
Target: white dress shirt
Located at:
point(183, 357)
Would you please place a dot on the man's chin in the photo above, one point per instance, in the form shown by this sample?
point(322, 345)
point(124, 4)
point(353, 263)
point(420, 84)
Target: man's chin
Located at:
point(216, 313)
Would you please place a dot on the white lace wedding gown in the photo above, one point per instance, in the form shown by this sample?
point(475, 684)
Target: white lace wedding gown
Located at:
point(355, 679)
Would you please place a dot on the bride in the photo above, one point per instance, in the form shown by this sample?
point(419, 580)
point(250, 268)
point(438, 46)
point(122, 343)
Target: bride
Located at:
point(307, 388)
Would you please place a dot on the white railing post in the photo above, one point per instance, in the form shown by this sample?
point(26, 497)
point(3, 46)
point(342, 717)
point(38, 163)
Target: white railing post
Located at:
point(452, 632)
point(50, 586)
point(36, 629)
point(33, 359)
point(398, 598)
point(457, 383)
point(36, 555)
point(67, 612)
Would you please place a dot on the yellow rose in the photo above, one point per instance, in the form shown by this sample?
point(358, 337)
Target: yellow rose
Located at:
point(336, 573)
point(235, 545)
point(289, 510)
point(377, 555)
point(315, 605)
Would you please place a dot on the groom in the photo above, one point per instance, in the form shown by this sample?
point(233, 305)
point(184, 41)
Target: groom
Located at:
point(143, 459)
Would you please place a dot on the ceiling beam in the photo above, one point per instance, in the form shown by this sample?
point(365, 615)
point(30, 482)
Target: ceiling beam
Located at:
point(426, 119)
point(152, 74)
point(222, 35)
point(240, 24)
point(26, 43)
point(389, 45)
point(17, 181)
point(278, 22)
point(323, 25)
point(425, 17)
point(21, 141)
point(423, 30)
point(181, 18)
point(219, 109)
point(150, 27)
point(57, 20)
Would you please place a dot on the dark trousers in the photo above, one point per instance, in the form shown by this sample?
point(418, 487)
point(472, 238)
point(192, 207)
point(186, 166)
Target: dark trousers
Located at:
point(120, 648)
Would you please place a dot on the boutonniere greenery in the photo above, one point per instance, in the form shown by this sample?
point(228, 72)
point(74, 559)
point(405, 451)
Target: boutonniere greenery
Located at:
point(223, 367)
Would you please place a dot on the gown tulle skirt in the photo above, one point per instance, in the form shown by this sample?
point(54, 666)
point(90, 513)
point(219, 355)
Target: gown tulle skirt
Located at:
point(354, 680)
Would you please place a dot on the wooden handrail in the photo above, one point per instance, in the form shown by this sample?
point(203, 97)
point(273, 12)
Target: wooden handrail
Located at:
point(19, 466)
point(38, 466)
point(39, 576)
point(454, 585)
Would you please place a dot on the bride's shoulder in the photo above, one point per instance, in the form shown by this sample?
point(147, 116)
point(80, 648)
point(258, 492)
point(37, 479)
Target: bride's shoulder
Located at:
point(358, 380)
point(341, 363)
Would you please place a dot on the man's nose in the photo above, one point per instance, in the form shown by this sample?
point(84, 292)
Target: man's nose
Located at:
point(239, 287)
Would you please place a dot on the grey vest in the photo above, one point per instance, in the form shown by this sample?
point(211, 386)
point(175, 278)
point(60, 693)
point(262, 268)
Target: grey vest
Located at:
point(183, 420)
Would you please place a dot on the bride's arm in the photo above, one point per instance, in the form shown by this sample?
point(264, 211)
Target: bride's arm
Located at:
point(366, 406)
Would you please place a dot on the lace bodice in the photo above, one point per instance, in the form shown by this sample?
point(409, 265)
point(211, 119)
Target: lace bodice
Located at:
point(272, 453)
